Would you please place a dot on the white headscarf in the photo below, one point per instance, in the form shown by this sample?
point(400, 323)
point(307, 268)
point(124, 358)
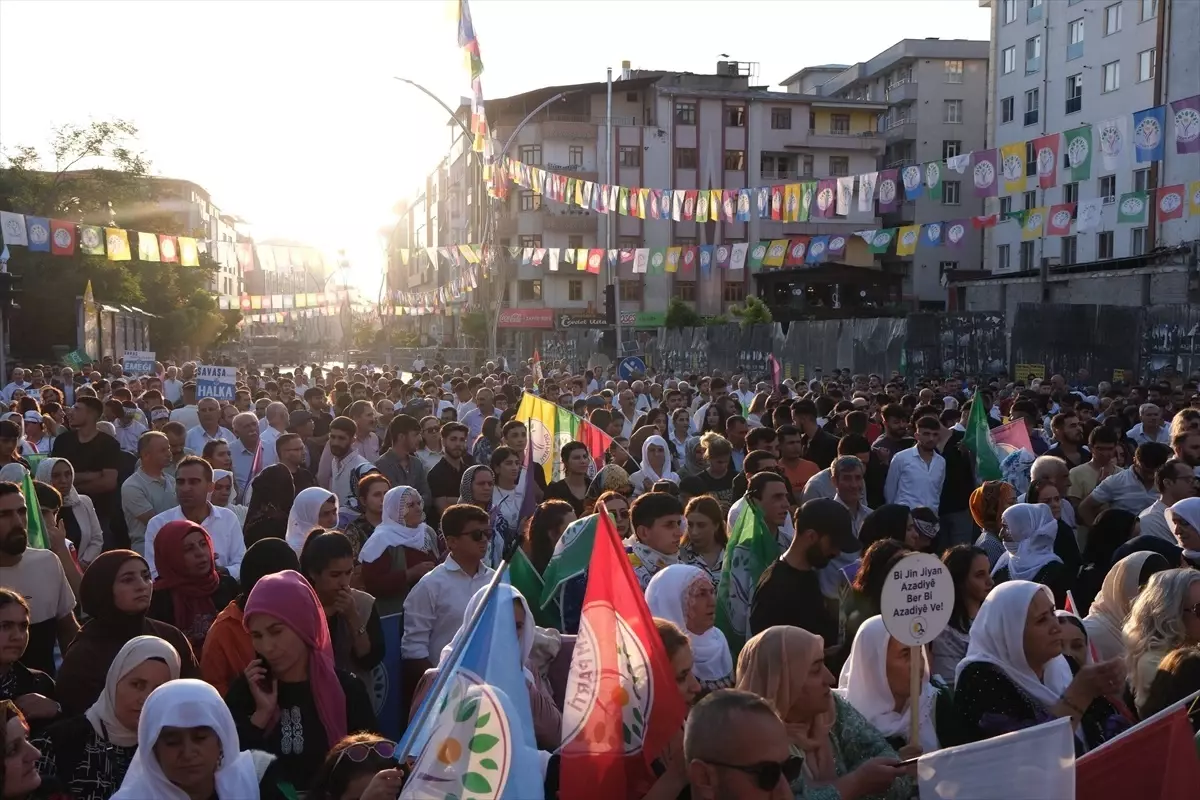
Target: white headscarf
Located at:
point(1110, 608)
point(220, 475)
point(864, 685)
point(14, 473)
point(306, 509)
point(998, 638)
point(102, 714)
point(187, 703)
point(46, 468)
point(1029, 546)
point(1189, 511)
point(647, 470)
point(392, 531)
point(503, 590)
point(666, 595)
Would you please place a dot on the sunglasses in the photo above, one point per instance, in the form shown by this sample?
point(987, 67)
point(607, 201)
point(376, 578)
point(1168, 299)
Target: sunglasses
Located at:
point(620, 513)
point(477, 536)
point(767, 773)
point(359, 752)
point(430, 430)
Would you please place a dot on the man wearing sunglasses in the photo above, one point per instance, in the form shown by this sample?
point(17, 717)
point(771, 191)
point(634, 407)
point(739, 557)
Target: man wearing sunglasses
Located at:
point(736, 748)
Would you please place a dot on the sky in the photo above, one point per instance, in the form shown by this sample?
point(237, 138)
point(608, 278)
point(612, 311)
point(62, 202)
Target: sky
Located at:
point(286, 111)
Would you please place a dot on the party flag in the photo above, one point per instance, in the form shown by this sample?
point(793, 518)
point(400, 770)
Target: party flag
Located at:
point(1017, 216)
point(959, 163)
point(12, 227)
point(706, 257)
point(582, 258)
point(888, 192)
point(729, 205)
point(906, 245)
point(881, 240)
point(1112, 138)
point(984, 173)
point(775, 371)
point(170, 251)
point(956, 232)
point(1079, 152)
point(37, 232)
point(1133, 208)
point(743, 205)
point(933, 180)
point(797, 248)
point(845, 194)
point(1034, 762)
point(931, 234)
point(1193, 194)
point(1045, 149)
point(148, 246)
point(1156, 760)
point(658, 260)
point(641, 260)
point(750, 550)
point(1035, 221)
point(550, 426)
point(866, 191)
point(62, 237)
point(188, 254)
point(837, 245)
point(762, 201)
point(526, 580)
point(808, 198)
point(117, 242)
point(1012, 167)
point(595, 258)
point(35, 525)
point(666, 202)
point(911, 176)
point(687, 262)
point(702, 206)
point(826, 199)
point(985, 221)
point(1170, 202)
point(978, 440)
point(723, 253)
point(624, 705)
point(714, 204)
point(818, 250)
point(1187, 124)
point(689, 205)
point(791, 202)
point(737, 257)
point(1059, 221)
point(757, 255)
point(777, 203)
point(775, 253)
point(1149, 135)
point(673, 254)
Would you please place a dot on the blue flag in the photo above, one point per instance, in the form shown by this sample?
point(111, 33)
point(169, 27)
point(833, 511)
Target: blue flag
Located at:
point(38, 234)
point(817, 250)
point(1149, 134)
point(706, 253)
point(931, 234)
point(478, 740)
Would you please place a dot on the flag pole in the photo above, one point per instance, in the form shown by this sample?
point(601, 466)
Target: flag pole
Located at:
point(444, 675)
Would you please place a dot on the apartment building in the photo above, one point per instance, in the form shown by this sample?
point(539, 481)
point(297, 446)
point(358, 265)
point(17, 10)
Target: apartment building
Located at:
point(1068, 63)
point(936, 96)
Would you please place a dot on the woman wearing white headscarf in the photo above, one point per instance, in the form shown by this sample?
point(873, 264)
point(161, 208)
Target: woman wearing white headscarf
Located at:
point(1028, 531)
point(656, 466)
point(1110, 609)
point(1183, 519)
point(89, 754)
point(685, 595)
point(13, 472)
point(875, 680)
point(78, 514)
point(222, 494)
point(400, 550)
point(313, 508)
point(1014, 675)
point(192, 712)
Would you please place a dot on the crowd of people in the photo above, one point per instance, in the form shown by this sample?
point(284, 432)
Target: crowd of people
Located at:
point(204, 618)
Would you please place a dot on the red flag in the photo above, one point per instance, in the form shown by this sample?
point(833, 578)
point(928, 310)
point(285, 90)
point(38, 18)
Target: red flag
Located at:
point(62, 237)
point(797, 247)
point(689, 204)
point(595, 259)
point(168, 248)
point(245, 302)
point(1059, 222)
point(776, 371)
point(1156, 760)
point(1045, 149)
point(986, 221)
point(687, 262)
point(1171, 200)
point(776, 203)
point(622, 706)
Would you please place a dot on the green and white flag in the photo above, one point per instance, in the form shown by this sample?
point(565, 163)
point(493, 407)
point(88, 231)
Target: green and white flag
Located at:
point(1133, 208)
point(978, 439)
point(756, 255)
point(751, 549)
point(933, 180)
point(572, 557)
point(882, 240)
point(808, 191)
point(35, 526)
point(1077, 144)
point(526, 580)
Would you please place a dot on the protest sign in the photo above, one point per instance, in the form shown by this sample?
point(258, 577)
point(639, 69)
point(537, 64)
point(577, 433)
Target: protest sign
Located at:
point(218, 382)
point(138, 362)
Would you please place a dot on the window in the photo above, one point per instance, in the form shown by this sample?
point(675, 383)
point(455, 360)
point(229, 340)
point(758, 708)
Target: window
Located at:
point(530, 201)
point(839, 124)
point(1137, 242)
point(1031, 106)
point(1010, 11)
point(951, 193)
point(1146, 65)
point(839, 165)
point(1005, 206)
point(952, 111)
point(685, 158)
point(631, 97)
point(575, 241)
point(629, 242)
point(629, 156)
point(1006, 110)
point(1104, 244)
point(575, 156)
point(1112, 76)
point(1076, 31)
point(947, 266)
point(631, 291)
point(781, 119)
point(685, 290)
point(1070, 194)
point(1033, 54)
point(766, 166)
point(1149, 9)
point(1112, 20)
point(951, 148)
point(529, 240)
point(1068, 250)
point(1108, 188)
point(1002, 260)
point(1030, 159)
point(735, 116)
point(575, 291)
point(1027, 260)
point(529, 290)
point(531, 154)
point(1074, 93)
point(685, 113)
point(1141, 181)
point(1029, 200)
point(954, 72)
point(735, 160)
point(733, 292)
point(806, 165)
point(1009, 59)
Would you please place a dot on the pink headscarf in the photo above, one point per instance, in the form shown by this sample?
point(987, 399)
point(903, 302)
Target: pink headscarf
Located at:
point(289, 598)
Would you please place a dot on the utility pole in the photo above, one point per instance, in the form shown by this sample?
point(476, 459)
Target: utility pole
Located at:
point(609, 221)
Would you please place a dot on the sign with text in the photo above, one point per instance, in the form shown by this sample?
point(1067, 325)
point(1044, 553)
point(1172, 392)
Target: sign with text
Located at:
point(917, 599)
point(138, 362)
point(526, 318)
point(76, 359)
point(213, 381)
point(1023, 372)
point(568, 321)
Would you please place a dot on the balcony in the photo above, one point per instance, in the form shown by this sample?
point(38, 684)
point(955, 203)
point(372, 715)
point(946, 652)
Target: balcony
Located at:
point(1033, 13)
point(1074, 51)
point(569, 223)
point(1033, 65)
point(785, 175)
point(901, 129)
point(901, 93)
point(1074, 104)
point(842, 140)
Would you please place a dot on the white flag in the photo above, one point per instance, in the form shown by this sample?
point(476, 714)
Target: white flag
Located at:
point(641, 257)
point(866, 236)
point(1032, 764)
point(845, 193)
point(737, 258)
point(866, 191)
point(13, 228)
point(1112, 141)
point(959, 163)
point(554, 253)
point(1088, 215)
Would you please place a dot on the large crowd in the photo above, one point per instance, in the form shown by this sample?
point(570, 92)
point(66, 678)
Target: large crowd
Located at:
point(193, 607)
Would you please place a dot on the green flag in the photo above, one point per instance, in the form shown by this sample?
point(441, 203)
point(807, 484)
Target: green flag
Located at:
point(808, 190)
point(933, 180)
point(978, 440)
point(751, 549)
point(572, 556)
point(658, 260)
point(755, 257)
point(881, 240)
point(1132, 208)
point(36, 526)
point(526, 580)
point(76, 358)
point(1077, 144)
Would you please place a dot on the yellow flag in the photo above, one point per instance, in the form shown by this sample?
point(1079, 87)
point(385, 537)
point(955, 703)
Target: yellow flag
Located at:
point(775, 253)
point(1194, 198)
point(1012, 167)
point(714, 204)
point(673, 258)
point(643, 199)
point(906, 242)
point(468, 252)
point(791, 203)
point(581, 259)
point(1035, 220)
point(579, 193)
point(189, 255)
point(117, 241)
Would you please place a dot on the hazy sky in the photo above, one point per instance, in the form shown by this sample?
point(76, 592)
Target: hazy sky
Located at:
point(287, 113)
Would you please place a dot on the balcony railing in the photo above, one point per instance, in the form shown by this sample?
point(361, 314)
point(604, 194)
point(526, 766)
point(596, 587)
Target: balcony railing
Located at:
point(1074, 104)
point(1074, 51)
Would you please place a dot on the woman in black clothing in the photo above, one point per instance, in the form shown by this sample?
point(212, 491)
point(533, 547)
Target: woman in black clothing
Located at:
point(30, 689)
point(1045, 492)
point(361, 765)
point(189, 592)
point(889, 521)
point(1111, 529)
point(1029, 532)
point(272, 493)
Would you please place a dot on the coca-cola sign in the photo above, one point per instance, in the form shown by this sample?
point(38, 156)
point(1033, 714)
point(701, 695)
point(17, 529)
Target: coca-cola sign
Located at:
point(527, 318)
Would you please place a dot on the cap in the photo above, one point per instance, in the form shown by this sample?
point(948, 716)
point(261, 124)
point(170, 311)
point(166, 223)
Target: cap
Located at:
point(298, 418)
point(829, 518)
point(33, 416)
point(160, 413)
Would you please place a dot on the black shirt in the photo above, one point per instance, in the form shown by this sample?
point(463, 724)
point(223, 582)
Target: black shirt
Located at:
point(1085, 455)
point(101, 453)
point(445, 480)
point(162, 608)
point(960, 476)
point(821, 449)
point(704, 483)
point(788, 596)
point(559, 490)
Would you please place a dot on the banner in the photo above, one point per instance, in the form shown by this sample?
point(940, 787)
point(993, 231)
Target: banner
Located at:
point(1045, 150)
point(888, 192)
point(12, 227)
point(1079, 152)
point(1149, 136)
point(38, 234)
point(116, 241)
point(933, 180)
point(1036, 763)
point(1058, 223)
point(1012, 167)
point(1133, 208)
point(906, 245)
point(214, 381)
point(1171, 202)
point(138, 362)
point(1110, 133)
point(550, 427)
point(984, 173)
point(1035, 220)
point(911, 177)
point(1186, 114)
point(62, 237)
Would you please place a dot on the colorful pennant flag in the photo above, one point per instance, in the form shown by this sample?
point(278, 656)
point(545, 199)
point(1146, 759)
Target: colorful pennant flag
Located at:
point(931, 234)
point(827, 198)
point(1059, 221)
point(12, 227)
point(775, 253)
point(1045, 150)
point(1111, 135)
point(1193, 193)
point(38, 234)
point(837, 245)
point(881, 240)
point(845, 194)
point(148, 246)
point(1149, 134)
point(1035, 221)
point(1133, 208)
point(1171, 202)
point(911, 177)
point(737, 258)
point(956, 233)
point(169, 250)
point(1079, 152)
point(818, 250)
point(933, 180)
point(906, 244)
point(189, 255)
point(866, 192)
point(1089, 214)
point(1186, 114)
point(984, 173)
point(62, 237)
point(888, 191)
point(117, 242)
point(1012, 167)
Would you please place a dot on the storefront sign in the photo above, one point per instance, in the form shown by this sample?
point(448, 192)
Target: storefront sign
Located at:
point(569, 321)
point(644, 319)
point(527, 318)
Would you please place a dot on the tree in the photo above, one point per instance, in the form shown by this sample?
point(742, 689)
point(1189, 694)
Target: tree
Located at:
point(475, 325)
point(753, 312)
point(681, 315)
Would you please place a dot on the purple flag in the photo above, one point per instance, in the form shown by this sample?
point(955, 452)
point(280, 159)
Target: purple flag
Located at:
point(889, 192)
point(837, 245)
point(956, 232)
point(826, 200)
point(984, 173)
point(1187, 124)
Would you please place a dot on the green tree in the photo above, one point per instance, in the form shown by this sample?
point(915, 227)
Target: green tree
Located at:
point(682, 315)
point(753, 312)
point(476, 325)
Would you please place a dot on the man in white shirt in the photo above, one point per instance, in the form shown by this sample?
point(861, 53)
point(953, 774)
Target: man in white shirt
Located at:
point(626, 411)
point(172, 387)
point(209, 428)
point(916, 475)
point(431, 443)
point(1150, 429)
point(189, 412)
point(344, 458)
point(641, 400)
point(244, 451)
point(1175, 481)
point(434, 607)
point(744, 395)
point(485, 406)
point(18, 382)
point(277, 418)
point(756, 462)
point(193, 484)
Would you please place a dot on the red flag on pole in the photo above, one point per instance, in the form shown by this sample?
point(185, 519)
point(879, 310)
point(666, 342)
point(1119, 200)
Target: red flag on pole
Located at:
point(622, 705)
point(1155, 760)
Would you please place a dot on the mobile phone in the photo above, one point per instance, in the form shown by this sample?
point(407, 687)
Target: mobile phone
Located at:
point(908, 762)
point(268, 678)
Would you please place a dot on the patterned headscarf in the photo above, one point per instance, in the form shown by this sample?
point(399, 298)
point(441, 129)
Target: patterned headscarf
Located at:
point(988, 503)
point(466, 492)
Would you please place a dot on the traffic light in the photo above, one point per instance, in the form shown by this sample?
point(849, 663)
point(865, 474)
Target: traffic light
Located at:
point(10, 288)
point(610, 304)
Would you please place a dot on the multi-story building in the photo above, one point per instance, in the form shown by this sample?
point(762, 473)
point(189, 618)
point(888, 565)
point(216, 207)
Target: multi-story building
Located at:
point(192, 213)
point(1069, 63)
point(936, 95)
